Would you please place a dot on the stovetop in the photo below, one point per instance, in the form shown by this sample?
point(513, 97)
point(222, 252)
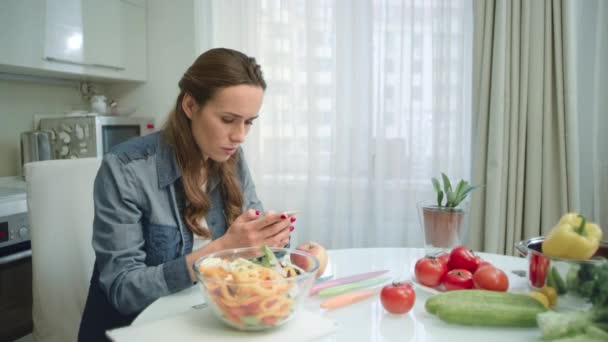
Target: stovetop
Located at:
point(13, 220)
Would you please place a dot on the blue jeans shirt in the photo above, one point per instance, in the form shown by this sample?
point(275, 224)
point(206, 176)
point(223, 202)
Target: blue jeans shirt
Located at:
point(139, 235)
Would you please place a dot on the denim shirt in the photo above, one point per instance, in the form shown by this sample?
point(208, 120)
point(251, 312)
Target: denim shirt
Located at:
point(139, 235)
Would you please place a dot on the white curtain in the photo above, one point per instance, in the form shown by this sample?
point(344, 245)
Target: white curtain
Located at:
point(591, 36)
point(366, 101)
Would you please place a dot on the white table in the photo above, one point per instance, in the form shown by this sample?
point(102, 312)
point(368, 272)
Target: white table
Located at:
point(367, 320)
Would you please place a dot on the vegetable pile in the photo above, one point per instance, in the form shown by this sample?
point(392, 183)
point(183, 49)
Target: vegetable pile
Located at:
point(591, 282)
point(573, 237)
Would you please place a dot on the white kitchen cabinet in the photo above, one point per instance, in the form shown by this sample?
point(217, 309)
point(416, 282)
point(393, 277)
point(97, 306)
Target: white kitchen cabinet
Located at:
point(134, 41)
point(83, 39)
point(21, 34)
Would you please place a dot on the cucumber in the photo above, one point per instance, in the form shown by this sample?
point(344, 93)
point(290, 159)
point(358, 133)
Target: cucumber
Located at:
point(496, 315)
point(463, 297)
point(560, 284)
point(250, 320)
point(551, 279)
point(485, 308)
point(572, 280)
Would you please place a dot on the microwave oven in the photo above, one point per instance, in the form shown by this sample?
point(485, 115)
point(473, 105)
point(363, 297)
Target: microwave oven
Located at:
point(91, 135)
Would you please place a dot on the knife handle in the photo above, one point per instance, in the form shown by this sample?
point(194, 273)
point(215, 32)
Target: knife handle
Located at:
point(346, 299)
point(345, 280)
point(340, 289)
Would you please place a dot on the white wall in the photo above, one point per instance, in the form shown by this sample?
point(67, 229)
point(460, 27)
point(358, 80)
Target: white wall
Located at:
point(171, 50)
point(19, 102)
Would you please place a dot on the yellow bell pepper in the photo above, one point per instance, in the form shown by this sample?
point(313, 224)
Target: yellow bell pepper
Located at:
point(573, 238)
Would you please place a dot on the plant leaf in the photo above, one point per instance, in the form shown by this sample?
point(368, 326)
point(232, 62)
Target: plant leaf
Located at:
point(436, 185)
point(447, 186)
point(459, 187)
point(439, 198)
point(451, 198)
point(465, 192)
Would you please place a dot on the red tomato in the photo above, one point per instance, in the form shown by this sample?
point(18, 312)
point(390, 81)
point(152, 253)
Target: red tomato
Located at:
point(398, 298)
point(490, 278)
point(463, 258)
point(458, 279)
point(429, 271)
point(483, 263)
point(444, 258)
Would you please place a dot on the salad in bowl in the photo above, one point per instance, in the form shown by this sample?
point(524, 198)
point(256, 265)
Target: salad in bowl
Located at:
point(255, 288)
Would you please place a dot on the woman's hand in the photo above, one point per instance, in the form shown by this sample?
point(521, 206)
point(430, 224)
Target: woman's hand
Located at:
point(250, 229)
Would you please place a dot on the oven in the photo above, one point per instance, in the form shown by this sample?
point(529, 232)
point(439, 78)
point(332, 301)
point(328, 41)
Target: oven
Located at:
point(15, 261)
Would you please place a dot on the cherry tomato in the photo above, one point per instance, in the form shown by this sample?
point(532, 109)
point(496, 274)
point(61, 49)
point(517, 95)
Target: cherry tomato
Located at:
point(463, 258)
point(398, 298)
point(444, 258)
point(458, 279)
point(429, 271)
point(490, 278)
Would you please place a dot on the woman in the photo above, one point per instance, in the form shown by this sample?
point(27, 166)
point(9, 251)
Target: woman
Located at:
point(156, 195)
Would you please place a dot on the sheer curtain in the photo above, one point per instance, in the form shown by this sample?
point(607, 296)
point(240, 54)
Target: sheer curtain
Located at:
point(367, 100)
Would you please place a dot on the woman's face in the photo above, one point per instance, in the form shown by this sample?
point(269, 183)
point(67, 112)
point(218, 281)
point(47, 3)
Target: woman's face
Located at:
point(220, 126)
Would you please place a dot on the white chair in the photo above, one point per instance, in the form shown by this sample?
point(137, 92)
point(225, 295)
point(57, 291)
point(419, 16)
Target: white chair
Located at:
point(60, 209)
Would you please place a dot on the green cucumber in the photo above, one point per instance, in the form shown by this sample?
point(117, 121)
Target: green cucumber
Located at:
point(250, 320)
point(495, 315)
point(551, 279)
point(270, 260)
point(572, 280)
point(560, 284)
point(463, 297)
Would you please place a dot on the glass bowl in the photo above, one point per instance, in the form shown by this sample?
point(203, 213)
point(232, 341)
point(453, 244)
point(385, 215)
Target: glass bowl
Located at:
point(572, 278)
point(247, 295)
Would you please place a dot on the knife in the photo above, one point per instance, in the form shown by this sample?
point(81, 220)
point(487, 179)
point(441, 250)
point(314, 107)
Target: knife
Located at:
point(346, 299)
point(323, 279)
point(345, 280)
point(341, 289)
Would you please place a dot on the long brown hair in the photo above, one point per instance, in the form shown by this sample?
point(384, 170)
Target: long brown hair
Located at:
point(211, 71)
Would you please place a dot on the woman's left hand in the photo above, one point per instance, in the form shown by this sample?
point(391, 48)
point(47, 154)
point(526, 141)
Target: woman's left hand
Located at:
point(252, 230)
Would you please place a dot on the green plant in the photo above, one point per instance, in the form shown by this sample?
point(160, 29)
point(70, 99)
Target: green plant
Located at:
point(453, 197)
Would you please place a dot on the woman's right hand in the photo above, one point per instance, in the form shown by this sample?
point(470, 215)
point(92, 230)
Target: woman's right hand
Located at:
point(250, 230)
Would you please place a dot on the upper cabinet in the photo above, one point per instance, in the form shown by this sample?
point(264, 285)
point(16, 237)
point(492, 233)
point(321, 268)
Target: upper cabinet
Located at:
point(85, 39)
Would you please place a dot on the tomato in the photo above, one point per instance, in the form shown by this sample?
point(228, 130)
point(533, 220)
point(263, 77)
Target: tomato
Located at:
point(483, 263)
point(398, 298)
point(429, 271)
point(463, 258)
point(490, 278)
point(444, 258)
point(458, 279)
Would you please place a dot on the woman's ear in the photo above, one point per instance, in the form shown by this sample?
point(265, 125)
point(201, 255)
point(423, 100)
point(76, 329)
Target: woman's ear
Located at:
point(189, 105)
